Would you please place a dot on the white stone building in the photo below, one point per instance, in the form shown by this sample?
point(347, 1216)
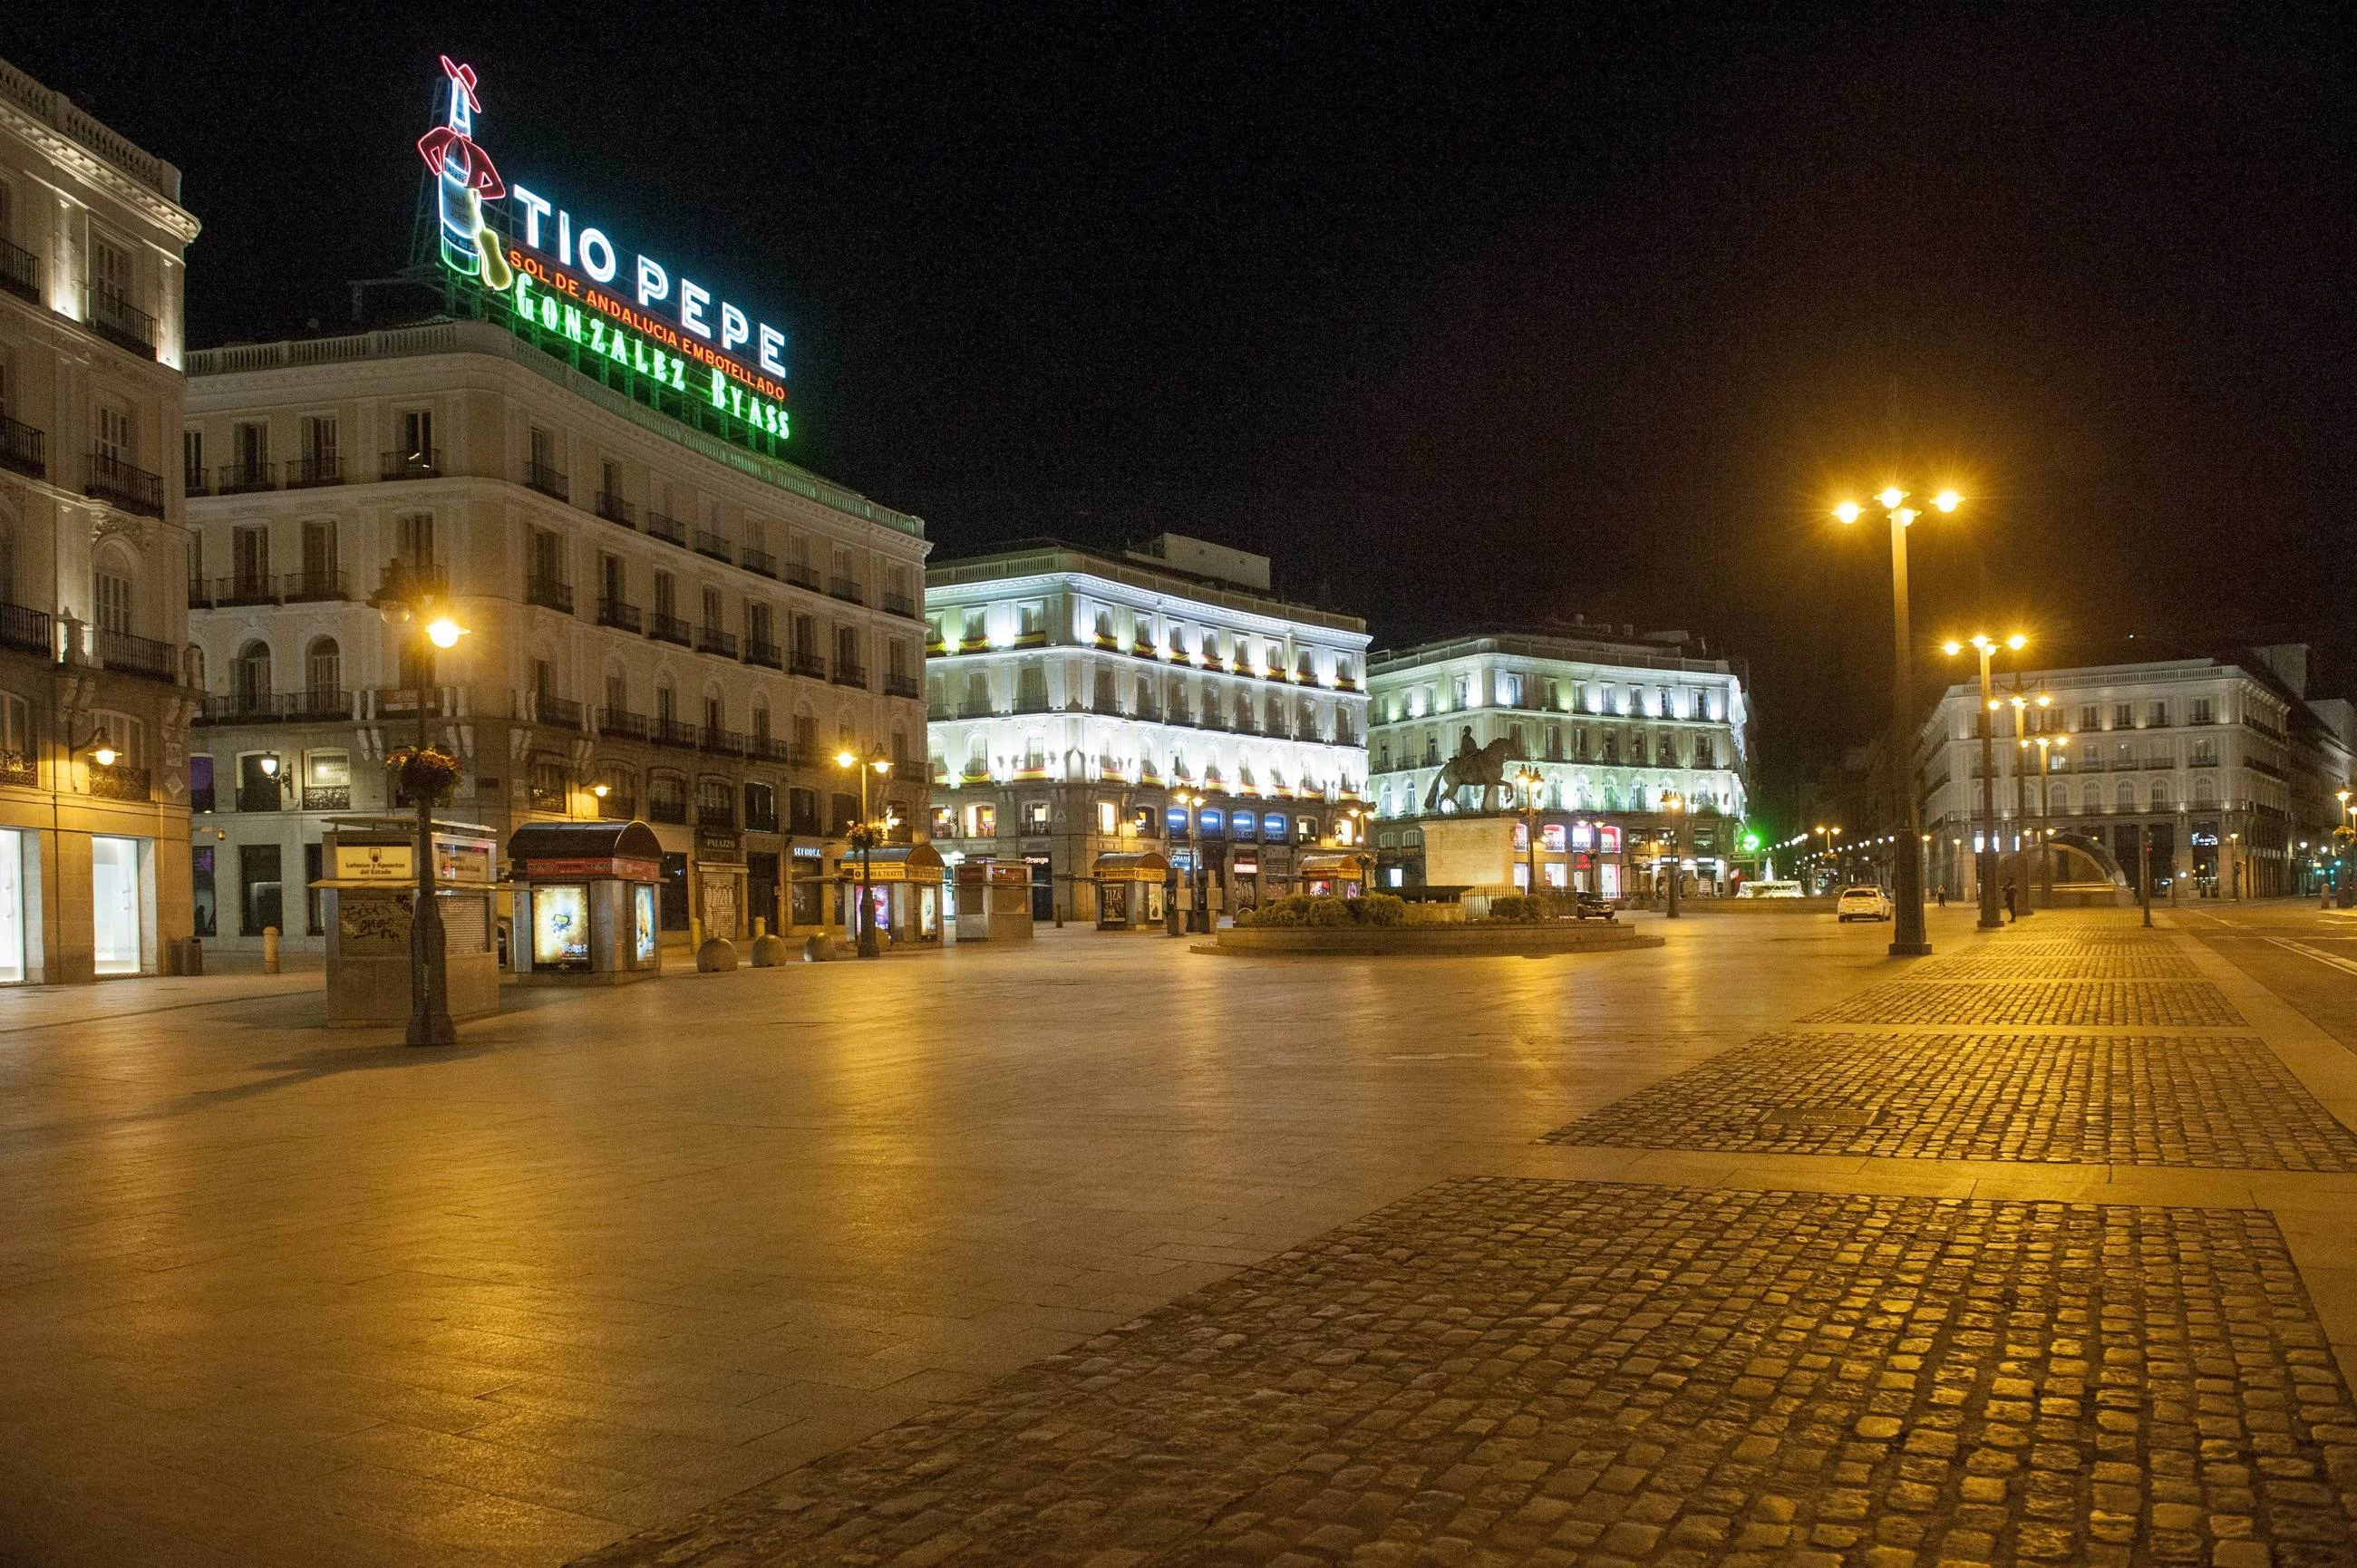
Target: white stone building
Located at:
point(1613, 723)
point(2224, 762)
point(690, 627)
point(93, 711)
point(1076, 695)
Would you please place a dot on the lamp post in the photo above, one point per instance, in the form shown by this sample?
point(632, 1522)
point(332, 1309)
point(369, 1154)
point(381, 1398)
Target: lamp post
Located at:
point(1828, 834)
point(1676, 805)
point(1984, 863)
point(405, 597)
point(2046, 813)
point(1907, 939)
point(863, 839)
point(1360, 817)
point(1194, 804)
point(2021, 704)
point(1529, 779)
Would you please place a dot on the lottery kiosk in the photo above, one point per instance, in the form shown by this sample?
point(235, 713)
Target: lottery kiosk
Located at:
point(1130, 890)
point(585, 903)
point(366, 900)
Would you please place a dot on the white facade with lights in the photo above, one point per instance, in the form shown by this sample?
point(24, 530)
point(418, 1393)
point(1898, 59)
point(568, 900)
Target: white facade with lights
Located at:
point(2226, 763)
point(94, 699)
point(1616, 727)
point(1077, 699)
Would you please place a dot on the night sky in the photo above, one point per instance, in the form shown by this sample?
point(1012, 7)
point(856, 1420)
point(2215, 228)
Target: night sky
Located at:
point(1462, 320)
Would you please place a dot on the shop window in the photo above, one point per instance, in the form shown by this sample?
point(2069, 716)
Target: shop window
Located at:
point(328, 781)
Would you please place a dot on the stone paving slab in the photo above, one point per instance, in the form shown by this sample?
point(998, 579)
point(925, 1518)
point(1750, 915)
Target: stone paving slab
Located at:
point(2046, 1004)
point(2221, 1102)
point(2111, 963)
point(1502, 1370)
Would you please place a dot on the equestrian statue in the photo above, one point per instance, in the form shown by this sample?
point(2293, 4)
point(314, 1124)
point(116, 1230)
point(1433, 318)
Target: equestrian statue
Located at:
point(1483, 767)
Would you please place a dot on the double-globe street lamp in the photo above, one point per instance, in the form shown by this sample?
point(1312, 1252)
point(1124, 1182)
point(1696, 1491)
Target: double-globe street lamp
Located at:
point(863, 839)
point(1984, 863)
point(2045, 806)
point(1676, 805)
point(2022, 699)
point(409, 598)
point(1907, 939)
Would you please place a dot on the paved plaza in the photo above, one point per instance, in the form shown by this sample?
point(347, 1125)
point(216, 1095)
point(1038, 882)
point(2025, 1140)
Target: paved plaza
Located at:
point(1756, 1248)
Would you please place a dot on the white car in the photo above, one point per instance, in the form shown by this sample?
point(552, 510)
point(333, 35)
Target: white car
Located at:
point(1862, 903)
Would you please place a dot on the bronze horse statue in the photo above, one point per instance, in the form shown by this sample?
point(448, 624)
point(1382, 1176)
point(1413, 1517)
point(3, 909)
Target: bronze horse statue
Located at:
point(1483, 767)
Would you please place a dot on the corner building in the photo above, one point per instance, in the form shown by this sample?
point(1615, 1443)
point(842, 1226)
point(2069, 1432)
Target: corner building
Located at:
point(661, 625)
point(94, 708)
point(1077, 698)
point(1611, 723)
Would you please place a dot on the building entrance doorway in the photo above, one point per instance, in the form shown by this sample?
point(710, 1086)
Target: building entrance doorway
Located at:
point(115, 905)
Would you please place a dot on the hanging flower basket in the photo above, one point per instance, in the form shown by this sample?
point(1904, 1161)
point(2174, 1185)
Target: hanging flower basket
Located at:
point(426, 773)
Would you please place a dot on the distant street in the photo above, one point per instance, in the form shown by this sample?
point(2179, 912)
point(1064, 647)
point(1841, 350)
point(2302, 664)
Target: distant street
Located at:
point(1104, 1252)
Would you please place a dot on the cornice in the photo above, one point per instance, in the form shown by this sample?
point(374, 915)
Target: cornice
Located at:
point(69, 153)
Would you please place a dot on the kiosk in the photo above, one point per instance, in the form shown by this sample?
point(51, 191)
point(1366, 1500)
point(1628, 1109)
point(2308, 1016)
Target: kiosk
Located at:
point(1129, 890)
point(586, 903)
point(1331, 872)
point(993, 901)
point(905, 880)
point(366, 901)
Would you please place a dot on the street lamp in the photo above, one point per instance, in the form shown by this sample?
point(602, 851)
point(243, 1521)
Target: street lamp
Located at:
point(1907, 934)
point(1529, 779)
point(1194, 804)
point(1984, 863)
point(1676, 805)
point(1361, 818)
point(407, 595)
point(1828, 834)
point(863, 839)
point(2045, 807)
point(2022, 700)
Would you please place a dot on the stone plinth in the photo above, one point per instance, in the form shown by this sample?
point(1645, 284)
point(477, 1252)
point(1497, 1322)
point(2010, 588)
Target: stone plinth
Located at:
point(1473, 852)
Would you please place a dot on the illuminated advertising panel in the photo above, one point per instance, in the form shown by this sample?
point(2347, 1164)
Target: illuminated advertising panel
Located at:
point(563, 284)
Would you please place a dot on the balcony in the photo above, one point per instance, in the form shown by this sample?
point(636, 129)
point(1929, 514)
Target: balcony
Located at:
point(120, 782)
point(669, 529)
point(668, 628)
point(327, 797)
point(723, 742)
point(672, 732)
point(764, 820)
point(768, 655)
point(712, 639)
point(802, 576)
point(228, 593)
point(549, 595)
point(808, 663)
point(619, 724)
point(614, 508)
point(27, 630)
point(899, 605)
point(24, 448)
point(547, 481)
point(126, 326)
point(247, 475)
point(194, 483)
point(403, 700)
point(557, 713)
point(769, 748)
point(319, 469)
point(903, 686)
point(845, 589)
point(759, 560)
point(713, 545)
point(132, 489)
point(268, 795)
point(714, 814)
point(616, 614)
point(665, 809)
point(312, 587)
point(846, 673)
point(138, 655)
point(425, 464)
point(20, 271)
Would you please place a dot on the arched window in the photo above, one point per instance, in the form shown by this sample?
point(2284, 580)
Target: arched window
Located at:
point(2093, 799)
point(111, 589)
point(250, 677)
point(2205, 792)
point(2125, 797)
point(762, 724)
point(323, 672)
point(2160, 794)
point(666, 797)
point(899, 746)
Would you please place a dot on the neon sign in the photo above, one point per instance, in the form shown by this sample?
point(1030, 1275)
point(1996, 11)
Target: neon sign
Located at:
point(684, 359)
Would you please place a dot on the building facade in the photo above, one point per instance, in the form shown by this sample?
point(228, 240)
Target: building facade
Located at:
point(661, 625)
point(94, 708)
point(1615, 727)
point(2224, 763)
point(1078, 700)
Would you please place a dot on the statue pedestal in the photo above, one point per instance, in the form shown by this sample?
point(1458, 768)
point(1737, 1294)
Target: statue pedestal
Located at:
point(1475, 853)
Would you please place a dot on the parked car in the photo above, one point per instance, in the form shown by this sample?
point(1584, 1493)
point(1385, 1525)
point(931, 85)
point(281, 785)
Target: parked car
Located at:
point(1862, 903)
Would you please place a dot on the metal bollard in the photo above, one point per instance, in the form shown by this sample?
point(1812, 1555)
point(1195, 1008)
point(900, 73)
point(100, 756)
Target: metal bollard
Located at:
point(270, 950)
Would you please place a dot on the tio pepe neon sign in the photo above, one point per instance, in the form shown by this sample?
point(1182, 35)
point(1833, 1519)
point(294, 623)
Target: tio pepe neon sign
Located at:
point(564, 291)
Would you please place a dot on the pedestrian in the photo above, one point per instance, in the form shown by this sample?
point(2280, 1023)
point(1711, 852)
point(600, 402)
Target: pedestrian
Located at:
point(2011, 912)
point(1942, 895)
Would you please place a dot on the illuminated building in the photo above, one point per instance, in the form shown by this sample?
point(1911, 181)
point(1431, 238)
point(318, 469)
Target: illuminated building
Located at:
point(2225, 762)
point(1611, 723)
point(667, 618)
point(1077, 699)
point(93, 711)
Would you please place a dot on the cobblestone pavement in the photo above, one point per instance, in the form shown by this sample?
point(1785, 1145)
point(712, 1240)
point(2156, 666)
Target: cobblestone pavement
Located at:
point(2110, 960)
point(2131, 1003)
point(2204, 1101)
point(1500, 1370)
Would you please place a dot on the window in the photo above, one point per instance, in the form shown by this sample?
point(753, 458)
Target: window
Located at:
point(2122, 715)
point(415, 436)
point(760, 808)
point(543, 448)
point(981, 822)
point(323, 671)
point(666, 595)
point(2090, 718)
point(115, 442)
point(2156, 715)
point(321, 459)
point(1106, 817)
point(192, 443)
point(666, 797)
point(414, 537)
point(260, 888)
point(2204, 712)
point(16, 761)
point(111, 593)
point(250, 450)
point(714, 611)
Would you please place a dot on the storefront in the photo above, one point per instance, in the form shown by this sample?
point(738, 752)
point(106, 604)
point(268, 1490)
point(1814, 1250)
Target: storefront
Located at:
point(585, 901)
